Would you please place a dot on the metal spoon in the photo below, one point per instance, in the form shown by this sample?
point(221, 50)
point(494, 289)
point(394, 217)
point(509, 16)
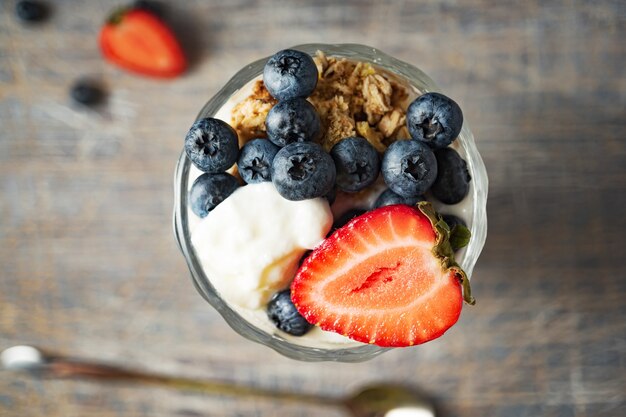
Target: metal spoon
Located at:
point(375, 401)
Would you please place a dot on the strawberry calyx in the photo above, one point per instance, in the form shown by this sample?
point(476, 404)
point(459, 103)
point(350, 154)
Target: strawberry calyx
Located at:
point(443, 249)
point(118, 14)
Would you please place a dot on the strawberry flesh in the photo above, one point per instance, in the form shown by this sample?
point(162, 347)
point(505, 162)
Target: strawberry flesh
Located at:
point(377, 280)
point(140, 42)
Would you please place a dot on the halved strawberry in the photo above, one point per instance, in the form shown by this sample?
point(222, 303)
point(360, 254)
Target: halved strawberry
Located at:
point(137, 40)
point(387, 277)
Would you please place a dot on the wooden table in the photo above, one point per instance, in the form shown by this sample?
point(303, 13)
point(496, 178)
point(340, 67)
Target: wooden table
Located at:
point(89, 265)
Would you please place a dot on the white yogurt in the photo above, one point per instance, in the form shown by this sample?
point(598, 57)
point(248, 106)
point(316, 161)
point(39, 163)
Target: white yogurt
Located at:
point(250, 244)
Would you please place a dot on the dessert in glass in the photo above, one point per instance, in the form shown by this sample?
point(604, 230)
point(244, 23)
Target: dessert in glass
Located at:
point(334, 214)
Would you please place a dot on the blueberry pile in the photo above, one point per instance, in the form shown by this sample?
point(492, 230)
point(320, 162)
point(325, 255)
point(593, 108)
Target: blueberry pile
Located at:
point(412, 167)
point(213, 147)
point(301, 169)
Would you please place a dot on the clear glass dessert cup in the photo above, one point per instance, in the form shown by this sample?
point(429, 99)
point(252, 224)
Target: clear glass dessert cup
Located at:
point(465, 145)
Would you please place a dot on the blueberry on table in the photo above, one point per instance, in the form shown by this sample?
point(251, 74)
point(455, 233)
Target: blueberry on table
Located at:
point(212, 145)
point(209, 190)
point(290, 74)
point(302, 170)
point(255, 160)
point(293, 120)
point(357, 163)
point(409, 168)
point(87, 93)
point(452, 182)
point(390, 198)
point(31, 11)
point(285, 316)
point(434, 119)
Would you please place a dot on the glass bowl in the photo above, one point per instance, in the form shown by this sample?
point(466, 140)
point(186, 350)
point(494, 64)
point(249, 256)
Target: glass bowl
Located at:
point(464, 145)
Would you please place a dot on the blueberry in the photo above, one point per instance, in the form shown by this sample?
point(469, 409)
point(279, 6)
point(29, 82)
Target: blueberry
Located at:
point(285, 316)
point(346, 217)
point(293, 120)
point(302, 170)
point(87, 93)
point(290, 74)
point(409, 168)
point(212, 145)
point(31, 11)
point(452, 182)
point(255, 160)
point(452, 220)
point(357, 163)
point(209, 190)
point(389, 198)
point(434, 119)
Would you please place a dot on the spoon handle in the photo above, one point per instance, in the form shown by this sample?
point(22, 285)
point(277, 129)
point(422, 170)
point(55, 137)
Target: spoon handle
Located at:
point(59, 367)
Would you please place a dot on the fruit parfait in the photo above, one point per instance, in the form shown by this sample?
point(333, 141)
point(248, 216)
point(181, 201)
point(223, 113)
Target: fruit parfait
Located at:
point(330, 204)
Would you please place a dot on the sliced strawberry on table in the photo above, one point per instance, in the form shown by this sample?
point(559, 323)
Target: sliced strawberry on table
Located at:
point(387, 277)
point(139, 41)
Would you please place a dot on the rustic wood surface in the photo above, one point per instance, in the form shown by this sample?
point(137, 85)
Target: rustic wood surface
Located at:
point(89, 265)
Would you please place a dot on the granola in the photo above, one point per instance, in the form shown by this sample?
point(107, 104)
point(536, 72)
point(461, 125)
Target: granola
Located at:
point(352, 99)
point(248, 116)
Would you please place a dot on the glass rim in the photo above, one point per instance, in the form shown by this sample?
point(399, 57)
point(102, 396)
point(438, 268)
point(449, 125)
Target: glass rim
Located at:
point(416, 78)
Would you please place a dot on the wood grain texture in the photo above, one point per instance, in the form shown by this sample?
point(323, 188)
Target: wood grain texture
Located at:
point(89, 265)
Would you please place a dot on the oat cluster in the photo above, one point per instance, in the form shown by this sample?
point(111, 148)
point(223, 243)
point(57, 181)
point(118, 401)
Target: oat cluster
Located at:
point(352, 98)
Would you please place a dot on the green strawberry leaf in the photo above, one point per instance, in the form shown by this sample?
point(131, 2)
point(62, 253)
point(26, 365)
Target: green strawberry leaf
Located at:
point(459, 237)
point(443, 248)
